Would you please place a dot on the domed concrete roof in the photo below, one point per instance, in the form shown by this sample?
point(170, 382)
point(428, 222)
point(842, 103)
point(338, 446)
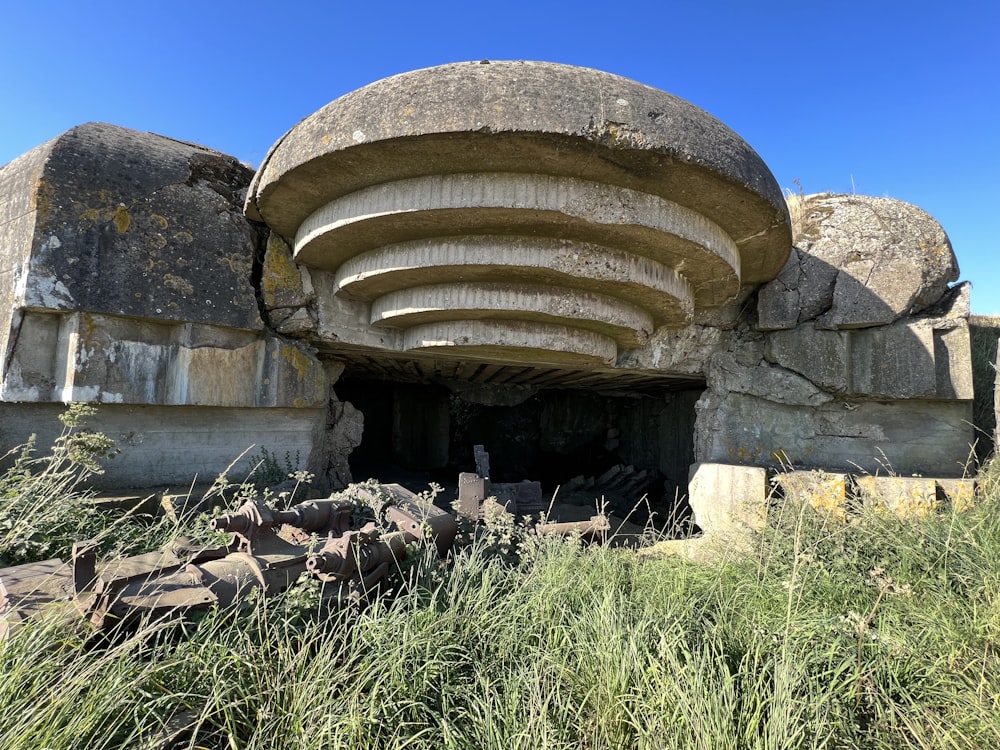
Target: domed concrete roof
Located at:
point(584, 207)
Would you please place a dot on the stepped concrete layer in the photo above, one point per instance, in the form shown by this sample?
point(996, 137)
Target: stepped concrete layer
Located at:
point(444, 205)
point(581, 210)
point(541, 343)
point(624, 322)
point(559, 265)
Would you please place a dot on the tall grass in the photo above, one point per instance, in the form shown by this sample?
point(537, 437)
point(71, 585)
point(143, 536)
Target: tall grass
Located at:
point(984, 333)
point(878, 634)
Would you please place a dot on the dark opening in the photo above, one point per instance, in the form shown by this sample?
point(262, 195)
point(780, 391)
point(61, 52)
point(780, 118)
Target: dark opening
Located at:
point(621, 448)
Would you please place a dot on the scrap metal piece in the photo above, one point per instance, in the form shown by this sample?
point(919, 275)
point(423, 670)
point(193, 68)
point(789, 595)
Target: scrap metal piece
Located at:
point(33, 590)
point(471, 494)
point(596, 526)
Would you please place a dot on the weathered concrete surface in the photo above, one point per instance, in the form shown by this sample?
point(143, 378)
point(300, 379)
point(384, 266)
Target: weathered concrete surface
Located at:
point(534, 174)
point(343, 429)
point(128, 281)
point(913, 358)
point(526, 117)
point(286, 291)
point(110, 359)
point(841, 372)
point(131, 280)
point(728, 500)
point(127, 223)
point(928, 437)
point(764, 380)
point(550, 227)
point(174, 447)
point(859, 261)
point(826, 492)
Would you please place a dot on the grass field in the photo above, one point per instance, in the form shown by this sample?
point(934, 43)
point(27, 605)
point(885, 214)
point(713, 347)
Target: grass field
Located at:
point(878, 634)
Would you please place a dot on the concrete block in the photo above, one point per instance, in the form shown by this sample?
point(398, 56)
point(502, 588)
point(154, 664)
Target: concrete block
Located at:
point(139, 503)
point(825, 491)
point(906, 497)
point(961, 493)
point(471, 493)
point(727, 498)
point(130, 224)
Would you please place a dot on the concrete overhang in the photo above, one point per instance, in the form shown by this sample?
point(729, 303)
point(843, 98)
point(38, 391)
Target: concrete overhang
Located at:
point(522, 212)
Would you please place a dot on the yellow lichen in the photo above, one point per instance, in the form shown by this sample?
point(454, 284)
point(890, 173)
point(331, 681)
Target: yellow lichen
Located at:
point(281, 276)
point(43, 200)
point(122, 219)
point(178, 284)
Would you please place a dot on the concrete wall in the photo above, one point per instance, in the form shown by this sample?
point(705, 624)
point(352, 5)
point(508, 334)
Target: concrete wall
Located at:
point(173, 447)
point(128, 281)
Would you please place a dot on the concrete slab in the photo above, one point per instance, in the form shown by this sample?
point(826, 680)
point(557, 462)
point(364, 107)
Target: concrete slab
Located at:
point(906, 497)
point(513, 341)
point(827, 492)
point(525, 204)
point(728, 499)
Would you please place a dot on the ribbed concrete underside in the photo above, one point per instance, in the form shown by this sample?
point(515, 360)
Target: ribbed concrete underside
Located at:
point(421, 367)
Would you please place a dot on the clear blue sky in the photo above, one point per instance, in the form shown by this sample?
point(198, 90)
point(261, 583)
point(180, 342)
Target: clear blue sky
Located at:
point(884, 98)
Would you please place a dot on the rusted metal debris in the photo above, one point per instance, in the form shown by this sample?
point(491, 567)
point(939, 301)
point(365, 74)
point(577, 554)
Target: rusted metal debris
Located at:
point(478, 497)
point(268, 551)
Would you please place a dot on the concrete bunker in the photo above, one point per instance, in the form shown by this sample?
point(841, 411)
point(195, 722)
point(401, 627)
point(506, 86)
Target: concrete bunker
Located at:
point(600, 265)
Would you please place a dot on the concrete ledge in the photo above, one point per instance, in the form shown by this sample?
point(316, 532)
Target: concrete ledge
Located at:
point(116, 360)
point(625, 323)
point(484, 204)
point(515, 341)
point(173, 446)
point(551, 262)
